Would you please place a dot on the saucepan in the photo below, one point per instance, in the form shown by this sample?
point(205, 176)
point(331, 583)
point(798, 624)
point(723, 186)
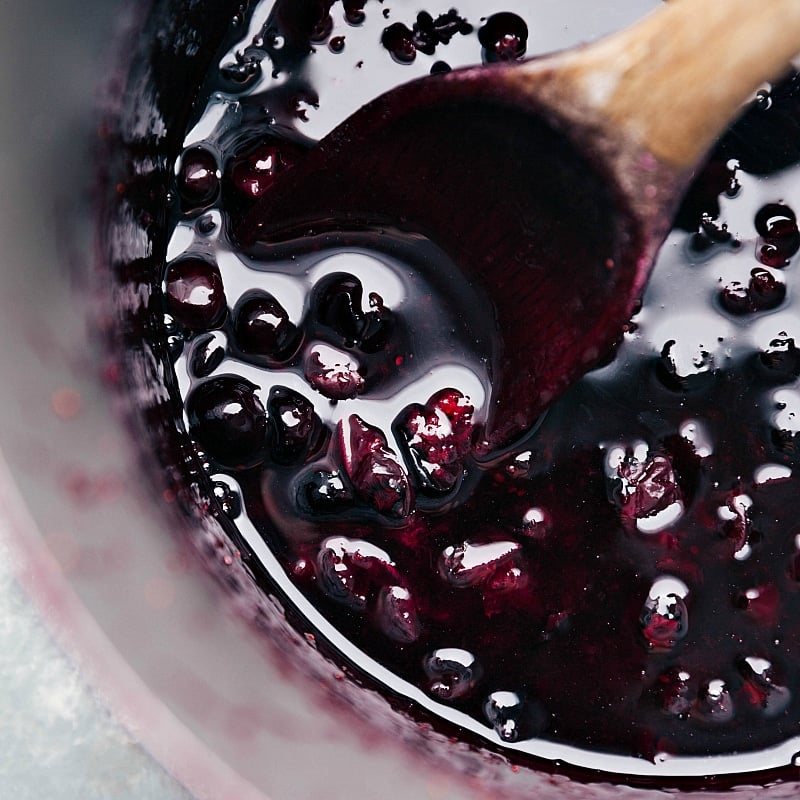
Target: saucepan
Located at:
point(142, 589)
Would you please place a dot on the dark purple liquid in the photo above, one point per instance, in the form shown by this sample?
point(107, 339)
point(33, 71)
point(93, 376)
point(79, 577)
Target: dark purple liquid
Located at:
point(624, 582)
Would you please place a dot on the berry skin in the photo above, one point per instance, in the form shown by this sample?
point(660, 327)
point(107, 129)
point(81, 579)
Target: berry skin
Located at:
point(194, 293)
point(228, 421)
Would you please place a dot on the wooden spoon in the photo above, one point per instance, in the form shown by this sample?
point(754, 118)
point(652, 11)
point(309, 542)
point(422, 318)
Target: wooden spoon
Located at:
point(551, 183)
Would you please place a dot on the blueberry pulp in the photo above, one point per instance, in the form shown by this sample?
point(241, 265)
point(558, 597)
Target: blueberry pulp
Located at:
point(623, 582)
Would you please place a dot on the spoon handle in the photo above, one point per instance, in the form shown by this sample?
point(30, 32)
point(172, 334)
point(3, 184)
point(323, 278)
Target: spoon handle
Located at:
point(674, 81)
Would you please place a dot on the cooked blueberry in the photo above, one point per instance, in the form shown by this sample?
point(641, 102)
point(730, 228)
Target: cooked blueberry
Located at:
point(334, 374)
point(761, 603)
point(504, 710)
point(322, 27)
point(399, 41)
point(777, 225)
point(423, 35)
point(765, 290)
point(762, 687)
point(208, 352)
point(374, 469)
point(504, 37)
point(320, 493)
point(451, 673)
point(714, 704)
point(228, 421)
point(378, 325)
point(340, 580)
point(198, 177)
point(762, 293)
point(337, 304)
point(437, 438)
point(736, 523)
point(396, 614)
point(229, 500)
point(243, 72)
point(262, 327)
point(664, 619)
point(674, 692)
point(643, 488)
point(253, 171)
point(735, 297)
point(351, 570)
point(195, 294)
point(354, 11)
point(472, 564)
point(776, 221)
point(175, 344)
point(686, 364)
point(295, 428)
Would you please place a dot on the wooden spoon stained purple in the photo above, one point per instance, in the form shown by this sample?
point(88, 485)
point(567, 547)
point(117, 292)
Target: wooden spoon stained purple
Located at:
point(551, 183)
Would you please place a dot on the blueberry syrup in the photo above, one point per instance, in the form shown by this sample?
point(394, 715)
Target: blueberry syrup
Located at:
point(619, 590)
